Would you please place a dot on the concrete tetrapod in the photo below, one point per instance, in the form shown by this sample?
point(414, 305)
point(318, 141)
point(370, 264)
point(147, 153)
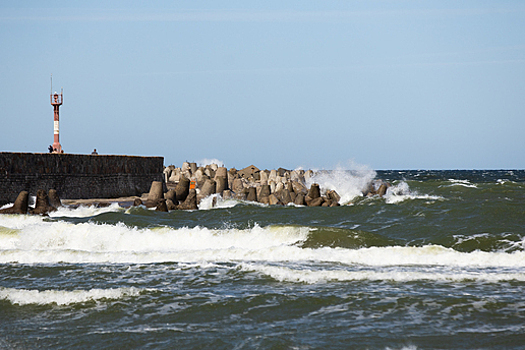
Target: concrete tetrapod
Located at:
point(20, 206)
point(183, 189)
point(191, 201)
point(54, 200)
point(155, 192)
point(42, 206)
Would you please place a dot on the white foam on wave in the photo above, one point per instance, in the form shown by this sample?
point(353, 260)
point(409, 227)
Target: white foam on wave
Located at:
point(83, 211)
point(61, 297)
point(49, 242)
point(17, 221)
point(348, 181)
point(31, 239)
point(310, 276)
point(215, 201)
point(402, 192)
point(8, 205)
point(428, 255)
point(463, 183)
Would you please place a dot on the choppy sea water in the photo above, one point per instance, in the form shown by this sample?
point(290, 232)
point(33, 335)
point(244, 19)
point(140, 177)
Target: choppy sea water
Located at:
point(438, 263)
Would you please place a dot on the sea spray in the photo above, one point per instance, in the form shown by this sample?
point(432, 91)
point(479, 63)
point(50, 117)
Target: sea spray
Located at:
point(215, 201)
point(206, 161)
point(401, 192)
point(349, 182)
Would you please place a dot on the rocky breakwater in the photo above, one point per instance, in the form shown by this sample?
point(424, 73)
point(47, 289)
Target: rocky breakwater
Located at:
point(272, 187)
point(186, 187)
point(180, 197)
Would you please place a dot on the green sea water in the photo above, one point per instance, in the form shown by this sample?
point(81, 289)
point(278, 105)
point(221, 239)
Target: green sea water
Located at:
point(438, 263)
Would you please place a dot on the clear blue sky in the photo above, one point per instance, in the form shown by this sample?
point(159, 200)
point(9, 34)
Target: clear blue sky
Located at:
point(388, 84)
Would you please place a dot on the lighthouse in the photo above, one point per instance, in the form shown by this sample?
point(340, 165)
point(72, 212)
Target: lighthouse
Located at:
point(56, 102)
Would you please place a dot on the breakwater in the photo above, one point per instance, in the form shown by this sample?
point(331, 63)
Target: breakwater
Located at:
point(189, 185)
point(76, 175)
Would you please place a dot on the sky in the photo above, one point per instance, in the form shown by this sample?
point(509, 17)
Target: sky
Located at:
point(312, 84)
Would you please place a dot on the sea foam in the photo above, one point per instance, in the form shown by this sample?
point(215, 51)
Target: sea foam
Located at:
point(28, 239)
point(402, 192)
point(311, 276)
point(463, 183)
point(60, 297)
point(83, 211)
point(50, 242)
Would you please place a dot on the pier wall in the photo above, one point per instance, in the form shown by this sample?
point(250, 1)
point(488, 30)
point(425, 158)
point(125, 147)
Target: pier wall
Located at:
point(76, 176)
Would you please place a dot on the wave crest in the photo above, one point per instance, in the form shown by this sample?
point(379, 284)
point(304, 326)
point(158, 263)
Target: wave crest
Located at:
point(61, 297)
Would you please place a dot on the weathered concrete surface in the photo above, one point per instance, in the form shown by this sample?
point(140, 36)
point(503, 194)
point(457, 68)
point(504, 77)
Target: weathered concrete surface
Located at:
point(161, 205)
point(191, 201)
point(155, 192)
point(183, 189)
point(20, 206)
point(54, 199)
point(76, 176)
point(42, 206)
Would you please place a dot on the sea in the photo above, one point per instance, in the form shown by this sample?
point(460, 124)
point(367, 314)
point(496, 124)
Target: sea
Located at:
point(437, 263)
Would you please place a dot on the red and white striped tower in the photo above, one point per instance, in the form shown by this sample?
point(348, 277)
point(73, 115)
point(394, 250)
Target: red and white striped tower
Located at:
point(56, 101)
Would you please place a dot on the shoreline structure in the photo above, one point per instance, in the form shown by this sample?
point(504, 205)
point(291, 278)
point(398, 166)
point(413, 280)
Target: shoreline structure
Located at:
point(77, 176)
point(183, 188)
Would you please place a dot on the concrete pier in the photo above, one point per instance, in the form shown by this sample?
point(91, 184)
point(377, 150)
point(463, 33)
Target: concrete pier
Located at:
point(77, 176)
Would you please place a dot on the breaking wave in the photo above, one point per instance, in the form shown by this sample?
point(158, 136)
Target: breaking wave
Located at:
point(61, 297)
point(402, 192)
point(311, 276)
point(31, 239)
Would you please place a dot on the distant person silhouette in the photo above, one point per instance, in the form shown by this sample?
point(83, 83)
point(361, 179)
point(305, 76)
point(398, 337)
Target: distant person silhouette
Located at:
point(94, 152)
point(50, 149)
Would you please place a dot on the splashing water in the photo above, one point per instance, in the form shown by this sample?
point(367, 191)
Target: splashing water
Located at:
point(206, 161)
point(216, 201)
point(402, 192)
point(349, 182)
